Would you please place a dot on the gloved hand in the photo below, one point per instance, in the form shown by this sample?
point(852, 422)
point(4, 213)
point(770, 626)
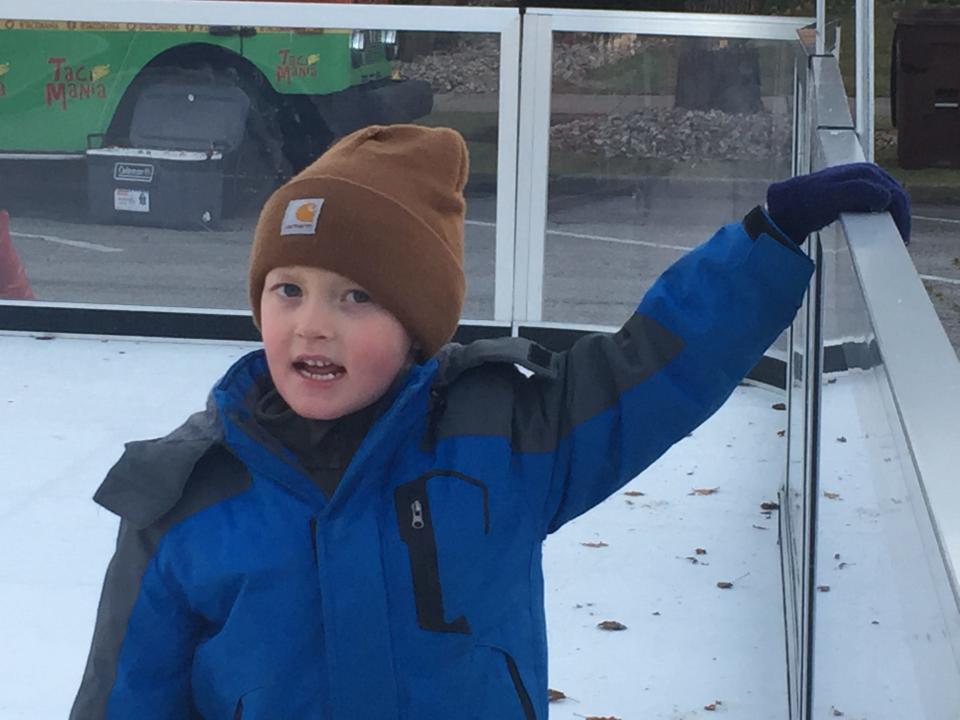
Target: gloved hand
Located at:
point(807, 203)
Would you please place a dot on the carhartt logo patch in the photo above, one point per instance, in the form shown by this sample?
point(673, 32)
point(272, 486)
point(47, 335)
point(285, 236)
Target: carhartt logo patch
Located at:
point(301, 216)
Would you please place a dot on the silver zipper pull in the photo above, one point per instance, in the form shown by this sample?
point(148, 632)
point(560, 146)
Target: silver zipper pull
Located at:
point(416, 507)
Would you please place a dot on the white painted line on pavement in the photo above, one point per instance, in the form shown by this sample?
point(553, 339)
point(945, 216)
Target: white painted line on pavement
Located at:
point(602, 238)
point(619, 241)
point(936, 219)
point(937, 278)
point(71, 243)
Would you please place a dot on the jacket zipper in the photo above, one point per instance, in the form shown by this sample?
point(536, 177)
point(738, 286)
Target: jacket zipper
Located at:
point(416, 531)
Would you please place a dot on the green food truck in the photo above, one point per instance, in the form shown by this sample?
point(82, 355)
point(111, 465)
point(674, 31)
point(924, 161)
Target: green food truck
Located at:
point(178, 124)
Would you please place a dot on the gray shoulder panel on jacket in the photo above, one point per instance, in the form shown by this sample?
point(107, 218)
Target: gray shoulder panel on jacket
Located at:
point(490, 397)
point(456, 359)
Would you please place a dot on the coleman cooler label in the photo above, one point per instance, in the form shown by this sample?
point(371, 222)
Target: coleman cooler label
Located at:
point(133, 172)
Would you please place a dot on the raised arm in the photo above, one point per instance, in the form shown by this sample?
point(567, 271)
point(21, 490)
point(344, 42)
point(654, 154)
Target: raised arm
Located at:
point(622, 400)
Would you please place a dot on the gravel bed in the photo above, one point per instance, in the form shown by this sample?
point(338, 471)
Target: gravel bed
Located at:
point(675, 134)
point(472, 66)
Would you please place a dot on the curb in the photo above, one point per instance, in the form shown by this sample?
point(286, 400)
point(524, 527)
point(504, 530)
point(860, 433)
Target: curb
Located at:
point(933, 194)
point(485, 184)
point(482, 184)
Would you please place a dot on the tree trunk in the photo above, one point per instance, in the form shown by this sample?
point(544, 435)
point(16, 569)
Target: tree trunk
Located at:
point(717, 74)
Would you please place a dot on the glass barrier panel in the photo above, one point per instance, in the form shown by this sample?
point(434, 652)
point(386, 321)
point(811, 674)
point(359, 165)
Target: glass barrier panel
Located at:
point(134, 158)
point(463, 70)
point(887, 632)
point(654, 143)
point(793, 505)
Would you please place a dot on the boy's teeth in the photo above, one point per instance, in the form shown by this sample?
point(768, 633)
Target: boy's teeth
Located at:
point(319, 376)
point(319, 370)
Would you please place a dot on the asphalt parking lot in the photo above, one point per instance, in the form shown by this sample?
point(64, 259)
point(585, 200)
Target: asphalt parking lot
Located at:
point(601, 253)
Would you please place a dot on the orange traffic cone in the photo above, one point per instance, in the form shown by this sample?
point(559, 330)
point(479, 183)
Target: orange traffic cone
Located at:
point(13, 279)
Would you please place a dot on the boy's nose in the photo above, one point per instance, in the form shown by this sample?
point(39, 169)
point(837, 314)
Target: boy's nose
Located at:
point(315, 322)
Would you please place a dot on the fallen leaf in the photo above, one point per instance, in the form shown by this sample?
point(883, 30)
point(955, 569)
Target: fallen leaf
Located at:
point(779, 406)
point(555, 695)
point(760, 527)
point(841, 439)
point(769, 505)
point(831, 495)
point(831, 381)
point(712, 706)
point(823, 588)
point(700, 551)
point(836, 556)
point(724, 585)
point(657, 613)
point(611, 625)
point(704, 491)
point(692, 559)
point(781, 433)
point(598, 544)
point(837, 713)
point(633, 493)
point(601, 717)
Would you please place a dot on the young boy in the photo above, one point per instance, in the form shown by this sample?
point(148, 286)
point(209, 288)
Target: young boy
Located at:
point(353, 527)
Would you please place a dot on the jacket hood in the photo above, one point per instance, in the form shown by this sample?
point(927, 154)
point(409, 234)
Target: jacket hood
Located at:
point(149, 478)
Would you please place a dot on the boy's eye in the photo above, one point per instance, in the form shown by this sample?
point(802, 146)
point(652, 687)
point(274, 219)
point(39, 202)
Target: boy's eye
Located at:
point(358, 296)
point(289, 290)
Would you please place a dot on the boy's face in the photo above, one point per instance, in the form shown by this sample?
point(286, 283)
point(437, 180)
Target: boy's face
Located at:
point(330, 348)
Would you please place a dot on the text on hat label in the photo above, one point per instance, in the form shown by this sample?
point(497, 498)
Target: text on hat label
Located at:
point(301, 216)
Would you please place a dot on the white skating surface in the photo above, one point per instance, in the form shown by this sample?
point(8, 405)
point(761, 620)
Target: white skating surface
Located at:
point(67, 405)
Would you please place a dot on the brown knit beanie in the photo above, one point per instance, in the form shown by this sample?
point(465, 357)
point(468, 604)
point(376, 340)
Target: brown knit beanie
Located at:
point(384, 207)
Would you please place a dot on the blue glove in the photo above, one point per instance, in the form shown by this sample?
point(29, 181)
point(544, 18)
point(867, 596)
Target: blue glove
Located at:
point(807, 203)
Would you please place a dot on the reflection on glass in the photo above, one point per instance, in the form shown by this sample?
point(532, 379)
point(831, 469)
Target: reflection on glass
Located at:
point(887, 631)
point(135, 157)
point(655, 142)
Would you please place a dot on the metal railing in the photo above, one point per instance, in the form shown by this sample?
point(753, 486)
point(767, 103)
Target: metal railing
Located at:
point(868, 348)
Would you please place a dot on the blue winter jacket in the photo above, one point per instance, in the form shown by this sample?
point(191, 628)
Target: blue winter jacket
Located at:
point(238, 590)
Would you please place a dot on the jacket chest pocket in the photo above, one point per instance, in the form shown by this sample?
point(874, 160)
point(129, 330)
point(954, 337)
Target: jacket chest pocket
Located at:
point(444, 521)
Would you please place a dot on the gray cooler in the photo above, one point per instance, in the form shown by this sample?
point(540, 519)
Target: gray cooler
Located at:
point(183, 137)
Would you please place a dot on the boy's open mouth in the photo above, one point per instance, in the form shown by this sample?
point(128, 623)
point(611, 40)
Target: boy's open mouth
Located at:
point(318, 369)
